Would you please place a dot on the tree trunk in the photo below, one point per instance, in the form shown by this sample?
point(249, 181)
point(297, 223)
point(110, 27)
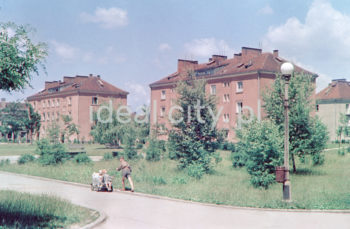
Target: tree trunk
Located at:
point(293, 160)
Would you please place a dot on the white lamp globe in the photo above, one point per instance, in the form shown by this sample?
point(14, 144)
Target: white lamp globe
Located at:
point(287, 68)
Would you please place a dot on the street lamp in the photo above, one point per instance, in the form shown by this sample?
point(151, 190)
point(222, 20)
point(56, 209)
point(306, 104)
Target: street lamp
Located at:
point(287, 71)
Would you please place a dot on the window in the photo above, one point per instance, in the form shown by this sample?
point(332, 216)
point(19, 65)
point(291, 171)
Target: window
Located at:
point(162, 96)
point(239, 86)
point(317, 107)
point(239, 107)
point(53, 103)
point(226, 84)
point(226, 98)
point(94, 101)
point(226, 118)
point(48, 103)
point(213, 89)
point(48, 116)
point(347, 109)
point(44, 116)
point(53, 116)
point(69, 100)
point(162, 112)
point(58, 102)
point(34, 105)
point(58, 116)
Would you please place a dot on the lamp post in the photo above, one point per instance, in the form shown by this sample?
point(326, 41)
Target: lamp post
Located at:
point(287, 71)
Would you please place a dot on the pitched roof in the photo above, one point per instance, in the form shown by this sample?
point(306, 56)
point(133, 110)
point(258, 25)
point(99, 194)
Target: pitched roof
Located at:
point(249, 60)
point(338, 90)
point(79, 84)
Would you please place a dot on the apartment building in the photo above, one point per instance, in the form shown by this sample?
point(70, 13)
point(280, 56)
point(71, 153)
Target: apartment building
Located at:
point(237, 82)
point(77, 97)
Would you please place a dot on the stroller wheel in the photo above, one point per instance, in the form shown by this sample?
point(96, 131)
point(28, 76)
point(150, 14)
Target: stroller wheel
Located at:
point(92, 187)
point(111, 190)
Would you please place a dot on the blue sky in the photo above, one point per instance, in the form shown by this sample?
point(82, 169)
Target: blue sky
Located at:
point(134, 43)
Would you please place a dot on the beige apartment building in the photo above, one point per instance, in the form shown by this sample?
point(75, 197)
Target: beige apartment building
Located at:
point(237, 82)
point(331, 102)
point(77, 97)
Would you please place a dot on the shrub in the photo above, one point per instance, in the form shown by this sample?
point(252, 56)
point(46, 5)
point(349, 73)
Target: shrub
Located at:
point(262, 145)
point(25, 158)
point(129, 148)
point(107, 156)
point(158, 180)
point(341, 151)
point(154, 150)
point(139, 145)
point(82, 159)
point(348, 149)
point(195, 170)
point(51, 153)
point(172, 148)
point(179, 180)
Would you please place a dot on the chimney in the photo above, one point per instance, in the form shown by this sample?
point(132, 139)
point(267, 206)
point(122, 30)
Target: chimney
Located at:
point(275, 53)
point(238, 56)
point(98, 76)
point(183, 65)
point(250, 52)
point(47, 84)
point(91, 75)
point(218, 58)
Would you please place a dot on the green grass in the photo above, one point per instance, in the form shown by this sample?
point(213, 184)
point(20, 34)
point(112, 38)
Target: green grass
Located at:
point(24, 210)
point(313, 187)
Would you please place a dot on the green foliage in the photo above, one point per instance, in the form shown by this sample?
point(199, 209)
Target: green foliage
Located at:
point(4, 162)
point(195, 170)
point(51, 153)
point(307, 135)
point(179, 180)
point(26, 158)
point(82, 159)
point(260, 149)
point(193, 139)
point(32, 123)
point(129, 143)
point(54, 131)
point(341, 151)
point(107, 156)
point(19, 56)
point(154, 150)
point(227, 146)
point(70, 128)
point(158, 180)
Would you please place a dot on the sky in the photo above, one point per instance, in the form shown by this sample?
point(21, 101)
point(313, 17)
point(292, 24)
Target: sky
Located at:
point(133, 43)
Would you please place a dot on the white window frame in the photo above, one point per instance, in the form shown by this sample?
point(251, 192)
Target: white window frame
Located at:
point(162, 111)
point(163, 95)
point(239, 107)
point(213, 89)
point(93, 100)
point(239, 87)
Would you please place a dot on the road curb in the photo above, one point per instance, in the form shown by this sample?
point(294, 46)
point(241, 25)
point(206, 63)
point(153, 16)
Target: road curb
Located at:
point(189, 201)
point(93, 224)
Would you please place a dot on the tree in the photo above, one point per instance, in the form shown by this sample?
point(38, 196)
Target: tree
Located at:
point(14, 116)
point(19, 56)
point(70, 128)
point(194, 131)
point(129, 138)
point(302, 125)
point(343, 127)
point(32, 123)
point(260, 149)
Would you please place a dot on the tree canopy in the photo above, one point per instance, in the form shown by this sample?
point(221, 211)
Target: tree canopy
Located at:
point(20, 56)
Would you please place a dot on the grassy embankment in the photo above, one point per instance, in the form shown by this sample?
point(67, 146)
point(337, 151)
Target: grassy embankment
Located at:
point(319, 187)
point(23, 210)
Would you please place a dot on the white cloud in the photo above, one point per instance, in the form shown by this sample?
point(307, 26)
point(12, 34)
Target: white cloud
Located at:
point(205, 47)
point(64, 50)
point(266, 10)
point(107, 18)
point(138, 94)
point(164, 47)
point(322, 41)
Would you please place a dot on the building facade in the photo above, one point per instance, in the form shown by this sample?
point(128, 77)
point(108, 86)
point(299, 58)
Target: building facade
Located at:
point(331, 102)
point(238, 84)
point(77, 97)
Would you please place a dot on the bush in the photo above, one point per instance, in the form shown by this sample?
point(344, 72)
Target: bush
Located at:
point(227, 146)
point(195, 170)
point(348, 149)
point(25, 158)
point(179, 180)
point(262, 146)
point(154, 150)
point(172, 148)
point(107, 156)
point(341, 151)
point(82, 159)
point(51, 153)
point(139, 145)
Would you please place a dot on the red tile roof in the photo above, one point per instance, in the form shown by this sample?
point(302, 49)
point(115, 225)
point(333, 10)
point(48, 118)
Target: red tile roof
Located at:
point(250, 60)
point(337, 90)
point(79, 84)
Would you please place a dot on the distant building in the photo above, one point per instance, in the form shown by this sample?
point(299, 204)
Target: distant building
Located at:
point(331, 102)
point(76, 97)
point(238, 84)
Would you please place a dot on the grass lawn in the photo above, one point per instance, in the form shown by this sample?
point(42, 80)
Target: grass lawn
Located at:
point(24, 210)
point(320, 187)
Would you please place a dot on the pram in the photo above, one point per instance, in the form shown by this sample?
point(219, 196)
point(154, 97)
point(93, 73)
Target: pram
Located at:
point(99, 182)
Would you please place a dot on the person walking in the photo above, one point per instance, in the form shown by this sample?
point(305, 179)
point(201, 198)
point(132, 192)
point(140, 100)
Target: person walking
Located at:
point(126, 173)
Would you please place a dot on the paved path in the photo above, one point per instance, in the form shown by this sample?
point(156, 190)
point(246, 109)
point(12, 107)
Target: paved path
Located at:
point(132, 210)
point(14, 158)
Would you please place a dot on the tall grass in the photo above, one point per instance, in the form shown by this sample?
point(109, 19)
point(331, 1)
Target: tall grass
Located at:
point(23, 210)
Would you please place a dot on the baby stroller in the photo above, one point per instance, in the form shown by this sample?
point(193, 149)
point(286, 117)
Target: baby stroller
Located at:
point(99, 182)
